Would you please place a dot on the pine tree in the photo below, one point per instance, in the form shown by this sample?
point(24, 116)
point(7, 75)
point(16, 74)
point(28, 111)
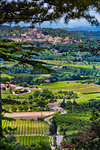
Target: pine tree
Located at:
point(47, 10)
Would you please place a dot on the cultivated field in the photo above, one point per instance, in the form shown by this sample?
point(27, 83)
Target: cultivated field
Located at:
point(28, 132)
point(27, 127)
point(30, 140)
point(64, 63)
point(75, 86)
point(84, 91)
point(28, 115)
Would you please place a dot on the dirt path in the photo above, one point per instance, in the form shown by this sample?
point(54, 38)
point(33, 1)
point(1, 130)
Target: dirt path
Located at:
point(21, 93)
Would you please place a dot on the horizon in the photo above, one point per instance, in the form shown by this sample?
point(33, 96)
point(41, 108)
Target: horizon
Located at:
point(51, 25)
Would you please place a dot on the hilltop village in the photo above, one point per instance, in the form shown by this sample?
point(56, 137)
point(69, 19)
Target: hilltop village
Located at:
point(36, 35)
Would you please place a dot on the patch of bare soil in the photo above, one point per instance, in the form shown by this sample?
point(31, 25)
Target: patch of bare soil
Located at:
point(28, 115)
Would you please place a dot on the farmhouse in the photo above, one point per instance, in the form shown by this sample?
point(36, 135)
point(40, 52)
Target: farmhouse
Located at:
point(20, 88)
point(47, 81)
point(52, 105)
point(5, 85)
point(57, 109)
point(13, 87)
point(57, 67)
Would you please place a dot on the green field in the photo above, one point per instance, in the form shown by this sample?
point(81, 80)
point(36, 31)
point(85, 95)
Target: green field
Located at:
point(6, 76)
point(28, 132)
point(84, 91)
point(75, 86)
point(64, 63)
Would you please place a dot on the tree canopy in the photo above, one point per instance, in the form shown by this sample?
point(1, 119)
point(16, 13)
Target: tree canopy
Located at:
point(22, 53)
point(37, 11)
point(95, 51)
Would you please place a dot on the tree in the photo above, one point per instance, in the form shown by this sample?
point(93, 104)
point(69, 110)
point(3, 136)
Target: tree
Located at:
point(53, 128)
point(42, 146)
point(47, 94)
point(94, 50)
point(36, 93)
point(89, 138)
point(63, 104)
point(40, 103)
point(10, 89)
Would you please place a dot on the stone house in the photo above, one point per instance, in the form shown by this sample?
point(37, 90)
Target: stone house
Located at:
point(52, 105)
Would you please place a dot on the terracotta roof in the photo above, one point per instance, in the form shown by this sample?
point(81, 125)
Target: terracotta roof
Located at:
point(56, 103)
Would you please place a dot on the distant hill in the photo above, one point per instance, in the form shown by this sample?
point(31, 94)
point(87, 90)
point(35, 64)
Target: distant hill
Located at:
point(82, 28)
point(63, 53)
point(63, 44)
point(88, 34)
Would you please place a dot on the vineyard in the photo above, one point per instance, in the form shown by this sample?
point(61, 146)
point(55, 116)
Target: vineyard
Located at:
point(30, 140)
point(28, 132)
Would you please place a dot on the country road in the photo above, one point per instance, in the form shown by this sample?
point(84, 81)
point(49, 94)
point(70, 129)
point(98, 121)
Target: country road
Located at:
point(58, 136)
point(21, 93)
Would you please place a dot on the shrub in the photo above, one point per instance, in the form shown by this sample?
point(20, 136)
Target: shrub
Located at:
point(3, 88)
point(13, 109)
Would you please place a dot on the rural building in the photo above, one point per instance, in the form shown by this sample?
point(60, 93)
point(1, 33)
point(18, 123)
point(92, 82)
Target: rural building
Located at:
point(57, 109)
point(47, 81)
point(51, 105)
point(13, 86)
point(5, 85)
point(20, 88)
